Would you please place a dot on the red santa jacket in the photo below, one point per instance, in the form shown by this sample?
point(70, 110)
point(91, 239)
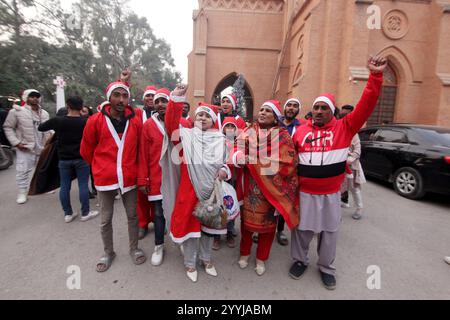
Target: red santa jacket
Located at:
point(323, 151)
point(151, 144)
point(113, 156)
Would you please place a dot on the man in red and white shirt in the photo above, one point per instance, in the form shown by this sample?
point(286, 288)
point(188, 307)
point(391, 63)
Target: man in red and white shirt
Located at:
point(110, 145)
point(322, 145)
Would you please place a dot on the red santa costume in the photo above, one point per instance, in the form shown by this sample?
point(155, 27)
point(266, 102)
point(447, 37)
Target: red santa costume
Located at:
point(101, 143)
point(144, 208)
point(197, 175)
point(239, 121)
point(110, 146)
point(154, 158)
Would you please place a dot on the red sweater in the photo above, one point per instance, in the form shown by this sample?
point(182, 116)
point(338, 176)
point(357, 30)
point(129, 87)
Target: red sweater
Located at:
point(113, 156)
point(323, 151)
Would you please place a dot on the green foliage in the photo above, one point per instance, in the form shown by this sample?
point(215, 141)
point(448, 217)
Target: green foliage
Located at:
point(110, 38)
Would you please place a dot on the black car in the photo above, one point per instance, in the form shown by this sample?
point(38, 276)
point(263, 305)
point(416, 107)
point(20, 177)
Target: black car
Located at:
point(415, 158)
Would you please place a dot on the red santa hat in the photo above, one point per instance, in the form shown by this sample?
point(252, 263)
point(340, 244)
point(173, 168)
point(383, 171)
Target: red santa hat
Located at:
point(229, 120)
point(149, 90)
point(116, 85)
point(162, 93)
point(275, 106)
point(212, 110)
point(232, 99)
point(327, 98)
point(293, 100)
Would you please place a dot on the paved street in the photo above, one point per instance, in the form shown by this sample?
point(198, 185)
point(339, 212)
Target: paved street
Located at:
point(406, 239)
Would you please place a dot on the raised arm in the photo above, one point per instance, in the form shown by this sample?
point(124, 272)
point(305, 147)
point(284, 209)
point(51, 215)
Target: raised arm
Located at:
point(174, 110)
point(369, 99)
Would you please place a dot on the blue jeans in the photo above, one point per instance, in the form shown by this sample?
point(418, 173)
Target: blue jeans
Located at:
point(82, 170)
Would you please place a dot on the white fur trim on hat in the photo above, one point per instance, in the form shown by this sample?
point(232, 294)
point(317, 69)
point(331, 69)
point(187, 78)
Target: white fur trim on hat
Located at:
point(295, 100)
point(208, 110)
point(327, 101)
point(147, 93)
point(117, 86)
point(161, 95)
point(229, 97)
point(274, 108)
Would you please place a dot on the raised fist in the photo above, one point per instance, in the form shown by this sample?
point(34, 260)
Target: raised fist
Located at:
point(125, 76)
point(377, 64)
point(180, 90)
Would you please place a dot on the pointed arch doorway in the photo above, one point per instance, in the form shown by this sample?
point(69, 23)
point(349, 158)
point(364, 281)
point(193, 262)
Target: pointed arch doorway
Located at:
point(229, 81)
point(385, 110)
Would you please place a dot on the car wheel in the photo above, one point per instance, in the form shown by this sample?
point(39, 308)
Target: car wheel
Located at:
point(409, 183)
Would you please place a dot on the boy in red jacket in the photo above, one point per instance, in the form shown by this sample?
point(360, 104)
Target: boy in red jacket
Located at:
point(110, 145)
point(322, 145)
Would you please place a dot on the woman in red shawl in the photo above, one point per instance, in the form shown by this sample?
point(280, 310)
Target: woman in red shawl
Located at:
point(267, 153)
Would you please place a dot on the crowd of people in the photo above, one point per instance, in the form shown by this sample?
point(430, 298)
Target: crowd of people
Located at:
point(164, 165)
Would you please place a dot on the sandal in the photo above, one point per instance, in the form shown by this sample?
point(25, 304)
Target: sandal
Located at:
point(138, 257)
point(105, 263)
point(282, 239)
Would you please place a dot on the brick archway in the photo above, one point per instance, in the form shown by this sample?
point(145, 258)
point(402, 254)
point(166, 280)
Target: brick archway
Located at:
point(229, 81)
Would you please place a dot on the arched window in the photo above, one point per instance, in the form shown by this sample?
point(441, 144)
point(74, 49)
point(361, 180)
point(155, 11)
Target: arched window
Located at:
point(229, 82)
point(385, 110)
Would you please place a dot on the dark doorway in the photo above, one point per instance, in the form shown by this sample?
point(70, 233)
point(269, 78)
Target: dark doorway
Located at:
point(229, 81)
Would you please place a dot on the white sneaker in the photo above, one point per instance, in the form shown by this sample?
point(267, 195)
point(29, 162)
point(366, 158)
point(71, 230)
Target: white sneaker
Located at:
point(447, 259)
point(22, 198)
point(260, 267)
point(243, 262)
point(158, 255)
point(91, 215)
point(192, 275)
point(69, 219)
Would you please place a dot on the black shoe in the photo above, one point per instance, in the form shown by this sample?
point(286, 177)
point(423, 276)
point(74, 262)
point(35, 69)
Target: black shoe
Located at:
point(297, 270)
point(143, 233)
point(255, 238)
point(328, 280)
point(91, 195)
